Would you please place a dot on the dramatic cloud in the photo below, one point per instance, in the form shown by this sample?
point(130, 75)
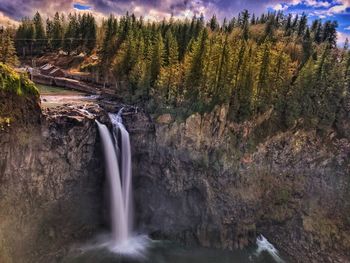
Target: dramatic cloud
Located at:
point(5, 20)
point(14, 10)
point(17, 9)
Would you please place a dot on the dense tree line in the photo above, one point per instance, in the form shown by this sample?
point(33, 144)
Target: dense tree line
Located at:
point(250, 63)
point(72, 33)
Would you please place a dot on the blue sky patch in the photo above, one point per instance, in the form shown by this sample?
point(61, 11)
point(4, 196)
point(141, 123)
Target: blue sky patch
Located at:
point(81, 6)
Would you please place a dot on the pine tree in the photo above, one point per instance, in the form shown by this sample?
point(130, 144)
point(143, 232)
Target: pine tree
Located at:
point(222, 87)
point(40, 37)
point(88, 27)
point(307, 46)
point(263, 94)
point(245, 89)
point(295, 23)
point(7, 48)
point(224, 25)
point(57, 32)
point(316, 29)
point(25, 37)
point(71, 36)
point(195, 65)
point(171, 55)
point(199, 26)
point(213, 23)
point(288, 27)
point(302, 25)
point(157, 57)
point(270, 27)
point(49, 32)
point(108, 48)
point(245, 24)
point(231, 25)
point(329, 32)
point(253, 20)
point(168, 80)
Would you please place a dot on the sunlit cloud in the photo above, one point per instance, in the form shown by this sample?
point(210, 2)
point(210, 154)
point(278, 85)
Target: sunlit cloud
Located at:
point(7, 21)
point(341, 38)
point(280, 7)
point(160, 9)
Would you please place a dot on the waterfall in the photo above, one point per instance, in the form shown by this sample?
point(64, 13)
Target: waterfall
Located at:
point(118, 172)
point(125, 161)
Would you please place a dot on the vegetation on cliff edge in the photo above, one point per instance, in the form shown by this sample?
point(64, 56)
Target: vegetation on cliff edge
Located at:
point(12, 81)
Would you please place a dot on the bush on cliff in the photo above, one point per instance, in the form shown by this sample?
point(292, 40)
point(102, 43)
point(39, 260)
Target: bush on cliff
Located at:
point(11, 81)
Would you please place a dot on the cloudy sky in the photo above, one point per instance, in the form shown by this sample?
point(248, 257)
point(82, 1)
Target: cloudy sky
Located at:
point(13, 10)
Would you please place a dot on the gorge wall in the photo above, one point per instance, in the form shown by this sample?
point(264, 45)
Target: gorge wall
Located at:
point(51, 178)
point(218, 184)
point(203, 181)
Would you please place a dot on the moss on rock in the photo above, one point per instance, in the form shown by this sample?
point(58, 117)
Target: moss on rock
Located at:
point(19, 99)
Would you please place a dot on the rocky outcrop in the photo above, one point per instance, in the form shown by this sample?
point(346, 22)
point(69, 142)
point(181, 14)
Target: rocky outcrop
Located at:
point(51, 179)
point(218, 184)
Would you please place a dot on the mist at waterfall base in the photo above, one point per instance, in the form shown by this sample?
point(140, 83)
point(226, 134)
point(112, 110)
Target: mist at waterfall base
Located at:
point(170, 252)
point(124, 246)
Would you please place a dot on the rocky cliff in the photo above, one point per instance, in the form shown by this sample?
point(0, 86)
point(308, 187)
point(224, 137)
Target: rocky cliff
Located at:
point(218, 184)
point(50, 180)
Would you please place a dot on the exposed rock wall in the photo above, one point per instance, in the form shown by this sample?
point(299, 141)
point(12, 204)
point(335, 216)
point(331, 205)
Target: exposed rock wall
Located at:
point(210, 182)
point(50, 183)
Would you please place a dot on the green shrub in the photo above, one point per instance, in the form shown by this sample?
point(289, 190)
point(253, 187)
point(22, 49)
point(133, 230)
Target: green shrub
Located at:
point(12, 81)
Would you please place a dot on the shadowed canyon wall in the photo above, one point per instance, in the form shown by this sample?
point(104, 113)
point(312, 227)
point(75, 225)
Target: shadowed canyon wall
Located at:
point(50, 181)
point(218, 184)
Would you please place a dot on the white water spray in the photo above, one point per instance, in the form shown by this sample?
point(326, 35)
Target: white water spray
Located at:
point(264, 245)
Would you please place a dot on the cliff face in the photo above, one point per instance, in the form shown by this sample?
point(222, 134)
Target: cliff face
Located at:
point(204, 181)
point(50, 181)
point(218, 184)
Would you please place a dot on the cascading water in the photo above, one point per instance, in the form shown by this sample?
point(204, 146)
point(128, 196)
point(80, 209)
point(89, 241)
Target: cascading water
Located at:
point(118, 222)
point(264, 245)
point(118, 171)
point(125, 161)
